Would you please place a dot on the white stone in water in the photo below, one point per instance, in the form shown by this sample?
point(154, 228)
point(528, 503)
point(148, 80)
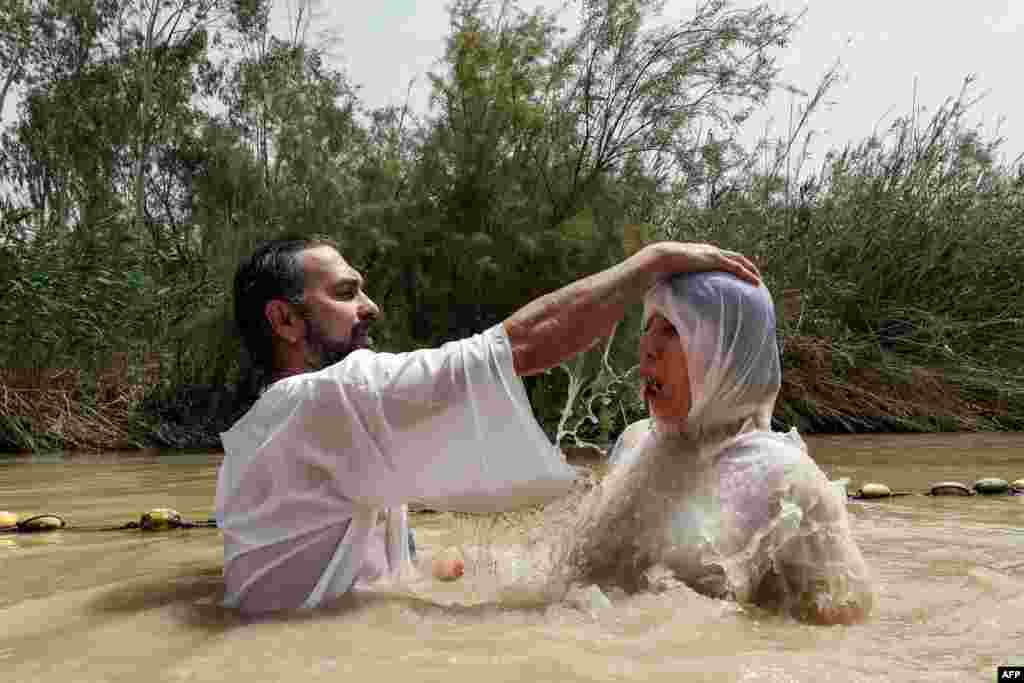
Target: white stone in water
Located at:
point(991, 485)
point(7, 519)
point(875, 490)
point(950, 488)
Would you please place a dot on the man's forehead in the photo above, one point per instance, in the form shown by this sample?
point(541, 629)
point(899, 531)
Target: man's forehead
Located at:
point(325, 263)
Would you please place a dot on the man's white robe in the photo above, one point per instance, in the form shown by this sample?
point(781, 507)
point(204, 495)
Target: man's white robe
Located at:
point(310, 469)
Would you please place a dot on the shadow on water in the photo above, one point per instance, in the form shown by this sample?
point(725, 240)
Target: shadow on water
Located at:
point(194, 598)
point(193, 595)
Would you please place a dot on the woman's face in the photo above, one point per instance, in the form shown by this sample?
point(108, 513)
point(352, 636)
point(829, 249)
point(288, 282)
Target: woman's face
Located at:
point(663, 370)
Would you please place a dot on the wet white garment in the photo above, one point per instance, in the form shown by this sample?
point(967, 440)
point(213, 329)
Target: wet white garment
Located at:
point(754, 519)
point(321, 456)
point(730, 507)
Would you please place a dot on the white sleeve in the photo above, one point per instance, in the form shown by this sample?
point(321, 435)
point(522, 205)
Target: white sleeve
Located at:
point(449, 427)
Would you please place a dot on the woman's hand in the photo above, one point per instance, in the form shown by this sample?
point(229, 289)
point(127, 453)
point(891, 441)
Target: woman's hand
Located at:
point(828, 613)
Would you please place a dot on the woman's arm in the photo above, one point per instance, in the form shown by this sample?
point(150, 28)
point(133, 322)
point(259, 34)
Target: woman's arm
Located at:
point(557, 326)
point(819, 574)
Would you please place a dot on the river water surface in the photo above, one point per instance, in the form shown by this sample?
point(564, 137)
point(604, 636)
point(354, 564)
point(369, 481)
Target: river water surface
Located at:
point(77, 605)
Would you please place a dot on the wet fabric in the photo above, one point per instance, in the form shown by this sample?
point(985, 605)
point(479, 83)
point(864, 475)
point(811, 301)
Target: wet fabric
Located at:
point(733, 509)
point(312, 490)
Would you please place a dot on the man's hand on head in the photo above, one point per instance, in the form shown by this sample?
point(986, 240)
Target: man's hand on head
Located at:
point(555, 327)
point(688, 257)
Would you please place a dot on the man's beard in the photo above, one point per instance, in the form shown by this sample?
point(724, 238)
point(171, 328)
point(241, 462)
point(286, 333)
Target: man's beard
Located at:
point(324, 351)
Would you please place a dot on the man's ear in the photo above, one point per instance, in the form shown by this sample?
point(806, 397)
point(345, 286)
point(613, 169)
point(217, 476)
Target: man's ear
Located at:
point(284, 320)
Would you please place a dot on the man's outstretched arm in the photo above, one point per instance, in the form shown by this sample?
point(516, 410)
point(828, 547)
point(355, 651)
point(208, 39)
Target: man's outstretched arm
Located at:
point(557, 326)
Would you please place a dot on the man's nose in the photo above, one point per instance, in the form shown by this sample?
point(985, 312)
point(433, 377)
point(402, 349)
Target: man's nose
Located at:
point(368, 310)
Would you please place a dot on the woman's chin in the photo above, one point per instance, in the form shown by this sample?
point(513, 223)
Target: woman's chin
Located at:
point(666, 424)
point(665, 410)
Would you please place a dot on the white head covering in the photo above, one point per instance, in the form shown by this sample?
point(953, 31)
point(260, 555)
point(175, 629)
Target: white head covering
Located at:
point(727, 328)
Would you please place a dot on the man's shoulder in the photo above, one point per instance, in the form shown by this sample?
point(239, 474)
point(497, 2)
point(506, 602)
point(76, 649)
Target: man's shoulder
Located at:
point(276, 401)
point(399, 371)
point(359, 362)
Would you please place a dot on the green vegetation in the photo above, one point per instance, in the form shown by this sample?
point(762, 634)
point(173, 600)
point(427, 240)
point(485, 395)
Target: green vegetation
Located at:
point(158, 142)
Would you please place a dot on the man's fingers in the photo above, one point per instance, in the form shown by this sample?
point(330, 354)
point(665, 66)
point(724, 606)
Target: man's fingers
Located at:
point(690, 258)
point(751, 269)
point(741, 266)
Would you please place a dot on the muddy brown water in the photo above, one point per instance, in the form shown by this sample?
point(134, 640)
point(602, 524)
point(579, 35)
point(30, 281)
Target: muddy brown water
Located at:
point(127, 606)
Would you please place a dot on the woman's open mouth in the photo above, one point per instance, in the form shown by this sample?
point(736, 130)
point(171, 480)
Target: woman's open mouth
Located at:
point(651, 388)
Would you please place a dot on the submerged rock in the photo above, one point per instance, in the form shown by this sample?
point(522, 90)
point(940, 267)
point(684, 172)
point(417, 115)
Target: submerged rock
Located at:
point(160, 519)
point(990, 485)
point(950, 488)
point(1018, 486)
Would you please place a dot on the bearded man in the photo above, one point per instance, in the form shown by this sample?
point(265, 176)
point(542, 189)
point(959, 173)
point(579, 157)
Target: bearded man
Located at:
point(312, 490)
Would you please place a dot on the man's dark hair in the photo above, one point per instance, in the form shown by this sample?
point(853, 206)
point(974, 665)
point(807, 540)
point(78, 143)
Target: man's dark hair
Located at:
point(273, 271)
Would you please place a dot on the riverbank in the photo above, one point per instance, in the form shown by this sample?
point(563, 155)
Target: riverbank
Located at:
point(823, 392)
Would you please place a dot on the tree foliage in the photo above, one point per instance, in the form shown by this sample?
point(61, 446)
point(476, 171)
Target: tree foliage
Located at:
point(158, 141)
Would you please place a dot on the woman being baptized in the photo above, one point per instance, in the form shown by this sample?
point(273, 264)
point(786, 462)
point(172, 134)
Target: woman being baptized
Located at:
point(704, 490)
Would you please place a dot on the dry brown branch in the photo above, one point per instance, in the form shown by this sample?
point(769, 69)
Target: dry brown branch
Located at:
point(46, 407)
